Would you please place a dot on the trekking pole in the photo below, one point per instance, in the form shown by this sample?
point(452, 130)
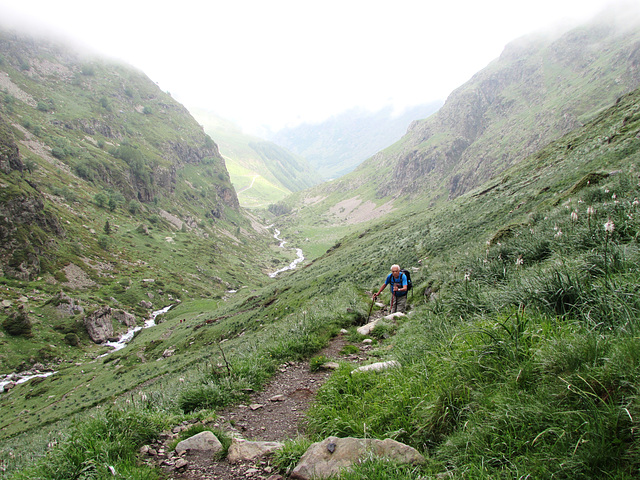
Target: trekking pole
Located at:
point(392, 296)
point(371, 308)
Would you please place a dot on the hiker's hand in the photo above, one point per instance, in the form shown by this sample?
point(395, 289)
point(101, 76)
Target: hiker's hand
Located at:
point(375, 295)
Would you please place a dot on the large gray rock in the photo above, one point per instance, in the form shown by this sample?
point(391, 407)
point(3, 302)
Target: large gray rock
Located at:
point(245, 451)
point(202, 442)
point(98, 325)
point(327, 458)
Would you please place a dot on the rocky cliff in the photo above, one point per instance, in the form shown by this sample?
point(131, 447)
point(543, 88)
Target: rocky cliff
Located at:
point(78, 131)
point(540, 88)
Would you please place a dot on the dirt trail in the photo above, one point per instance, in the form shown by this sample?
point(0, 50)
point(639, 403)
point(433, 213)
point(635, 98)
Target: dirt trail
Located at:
point(275, 414)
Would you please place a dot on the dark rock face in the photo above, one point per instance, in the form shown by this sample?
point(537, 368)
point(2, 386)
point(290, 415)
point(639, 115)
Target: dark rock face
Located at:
point(9, 153)
point(515, 106)
point(20, 251)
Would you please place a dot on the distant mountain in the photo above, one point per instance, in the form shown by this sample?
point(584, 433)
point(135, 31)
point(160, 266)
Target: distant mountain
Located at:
point(338, 145)
point(261, 171)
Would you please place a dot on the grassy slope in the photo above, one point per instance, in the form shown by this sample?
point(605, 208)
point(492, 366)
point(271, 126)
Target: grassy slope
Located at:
point(144, 256)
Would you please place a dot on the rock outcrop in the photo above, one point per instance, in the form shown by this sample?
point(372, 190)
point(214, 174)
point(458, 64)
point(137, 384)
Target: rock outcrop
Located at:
point(99, 324)
point(9, 153)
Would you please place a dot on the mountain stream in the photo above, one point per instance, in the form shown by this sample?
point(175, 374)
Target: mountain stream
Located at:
point(293, 264)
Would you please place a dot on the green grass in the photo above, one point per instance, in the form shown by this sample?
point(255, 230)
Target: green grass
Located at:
point(101, 448)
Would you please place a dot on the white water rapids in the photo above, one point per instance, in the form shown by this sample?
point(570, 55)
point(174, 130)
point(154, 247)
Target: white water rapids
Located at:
point(293, 264)
point(119, 345)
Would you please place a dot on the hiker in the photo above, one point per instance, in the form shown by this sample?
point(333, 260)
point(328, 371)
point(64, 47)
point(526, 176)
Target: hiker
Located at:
point(399, 288)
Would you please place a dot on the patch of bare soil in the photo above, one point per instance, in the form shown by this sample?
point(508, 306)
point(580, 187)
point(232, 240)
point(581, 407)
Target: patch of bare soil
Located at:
point(354, 210)
point(275, 414)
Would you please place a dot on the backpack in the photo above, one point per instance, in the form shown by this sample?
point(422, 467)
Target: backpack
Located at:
point(409, 284)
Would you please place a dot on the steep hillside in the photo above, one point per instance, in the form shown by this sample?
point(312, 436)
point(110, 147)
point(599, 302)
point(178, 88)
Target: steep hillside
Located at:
point(111, 196)
point(338, 145)
point(262, 172)
point(541, 87)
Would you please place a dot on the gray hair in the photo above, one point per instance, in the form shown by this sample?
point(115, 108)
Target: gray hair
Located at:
point(395, 266)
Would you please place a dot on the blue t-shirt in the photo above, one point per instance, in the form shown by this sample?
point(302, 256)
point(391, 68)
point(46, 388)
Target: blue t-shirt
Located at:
point(401, 281)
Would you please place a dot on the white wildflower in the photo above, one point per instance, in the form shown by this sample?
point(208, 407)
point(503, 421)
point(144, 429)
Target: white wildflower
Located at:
point(614, 196)
point(519, 260)
point(467, 276)
point(609, 226)
point(574, 216)
point(591, 211)
point(558, 233)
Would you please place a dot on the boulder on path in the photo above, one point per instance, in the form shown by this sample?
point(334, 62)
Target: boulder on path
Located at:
point(378, 366)
point(202, 442)
point(245, 451)
point(366, 329)
point(326, 458)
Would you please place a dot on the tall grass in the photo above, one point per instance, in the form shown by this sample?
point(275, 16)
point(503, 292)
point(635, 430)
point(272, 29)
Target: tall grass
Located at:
point(528, 364)
point(100, 448)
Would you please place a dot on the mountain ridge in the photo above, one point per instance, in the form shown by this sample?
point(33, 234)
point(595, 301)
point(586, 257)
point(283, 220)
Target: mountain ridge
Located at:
point(339, 144)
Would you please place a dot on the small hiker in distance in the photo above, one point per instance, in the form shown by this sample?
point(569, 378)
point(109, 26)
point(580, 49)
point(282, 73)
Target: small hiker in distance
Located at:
point(400, 285)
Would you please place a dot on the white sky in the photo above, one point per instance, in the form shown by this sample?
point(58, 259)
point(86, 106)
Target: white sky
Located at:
point(280, 62)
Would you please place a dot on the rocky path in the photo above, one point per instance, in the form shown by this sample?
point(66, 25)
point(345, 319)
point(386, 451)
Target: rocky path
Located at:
point(275, 414)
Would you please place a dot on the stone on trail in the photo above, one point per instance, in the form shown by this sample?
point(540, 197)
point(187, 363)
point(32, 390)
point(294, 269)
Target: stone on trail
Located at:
point(181, 464)
point(394, 316)
point(326, 458)
point(376, 367)
point(202, 442)
point(366, 329)
point(242, 450)
point(330, 366)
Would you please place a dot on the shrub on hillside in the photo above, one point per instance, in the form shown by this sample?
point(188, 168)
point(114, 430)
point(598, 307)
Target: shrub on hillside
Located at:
point(18, 323)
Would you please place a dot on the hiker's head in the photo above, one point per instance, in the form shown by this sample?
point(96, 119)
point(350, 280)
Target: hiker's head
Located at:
point(395, 270)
